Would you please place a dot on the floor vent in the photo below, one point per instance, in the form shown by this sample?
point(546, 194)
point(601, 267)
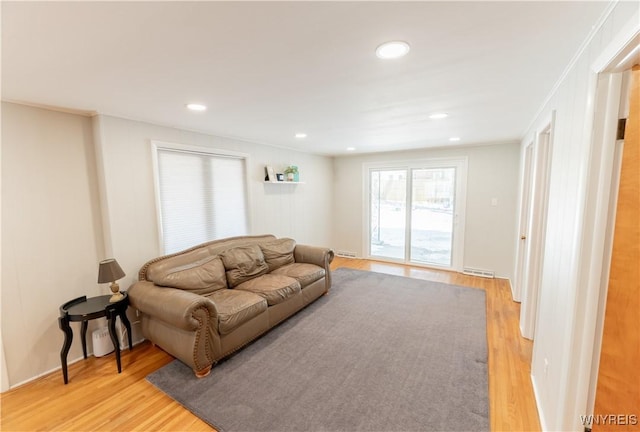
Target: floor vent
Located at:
point(346, 254)
point(477, 272)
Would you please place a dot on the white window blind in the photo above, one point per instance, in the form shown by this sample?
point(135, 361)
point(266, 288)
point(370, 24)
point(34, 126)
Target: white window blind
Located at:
point(202, 197)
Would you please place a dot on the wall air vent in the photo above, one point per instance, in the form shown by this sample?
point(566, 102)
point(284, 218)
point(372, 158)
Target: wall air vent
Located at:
point(477, 272)
point(346, 254)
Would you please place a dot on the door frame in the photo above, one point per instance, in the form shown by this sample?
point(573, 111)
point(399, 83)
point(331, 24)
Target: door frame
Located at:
point(614, 93)
point(457, 244)
point(594, 256)
point(522, 257)
point(537, 229)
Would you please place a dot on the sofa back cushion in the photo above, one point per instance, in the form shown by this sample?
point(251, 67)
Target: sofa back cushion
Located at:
point(151, 269)
point(201, 277)
point(278, 252)
point(243, 263)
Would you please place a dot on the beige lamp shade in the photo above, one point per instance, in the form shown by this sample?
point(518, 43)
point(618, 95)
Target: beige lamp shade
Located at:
point(109, 271)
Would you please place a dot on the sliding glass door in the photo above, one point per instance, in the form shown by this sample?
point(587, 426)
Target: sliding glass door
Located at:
point(414, 212)
point(388, 213)
point(432, 210)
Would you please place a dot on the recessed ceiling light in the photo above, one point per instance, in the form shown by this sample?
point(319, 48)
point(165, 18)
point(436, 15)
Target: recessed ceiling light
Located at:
point(301, 135)
point(454, 139)
point(393, 49)
point(437, 116)
point(196, 107)
point(351, 148)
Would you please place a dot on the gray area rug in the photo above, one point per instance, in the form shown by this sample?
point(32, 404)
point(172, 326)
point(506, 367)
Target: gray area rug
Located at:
point(379, 353)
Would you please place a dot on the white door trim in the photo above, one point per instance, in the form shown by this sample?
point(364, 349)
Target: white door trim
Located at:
point(522, 257)
point(536, 235)
point(593, 256)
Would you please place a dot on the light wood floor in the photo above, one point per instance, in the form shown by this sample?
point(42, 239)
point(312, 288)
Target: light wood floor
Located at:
point(97, 398)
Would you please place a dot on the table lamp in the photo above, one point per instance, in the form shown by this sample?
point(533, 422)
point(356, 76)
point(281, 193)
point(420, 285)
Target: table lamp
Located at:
point(110, 271)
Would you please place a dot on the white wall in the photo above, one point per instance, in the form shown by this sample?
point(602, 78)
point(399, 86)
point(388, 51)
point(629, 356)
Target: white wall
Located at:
point(4, 373)
point(76, 190)
point(302, 212)
point(489, 231)
point(52, 238)
point(558, 308)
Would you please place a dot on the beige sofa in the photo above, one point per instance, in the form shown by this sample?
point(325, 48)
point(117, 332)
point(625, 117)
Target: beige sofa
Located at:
point(206, 302)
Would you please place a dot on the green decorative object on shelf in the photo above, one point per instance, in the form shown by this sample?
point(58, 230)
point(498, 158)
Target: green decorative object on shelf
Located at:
point(292, 173)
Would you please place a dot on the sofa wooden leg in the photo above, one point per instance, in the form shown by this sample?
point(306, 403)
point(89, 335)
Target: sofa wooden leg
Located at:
point(203, 372)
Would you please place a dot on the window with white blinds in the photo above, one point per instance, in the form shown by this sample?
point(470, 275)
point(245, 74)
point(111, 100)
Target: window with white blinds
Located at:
point(202, 196)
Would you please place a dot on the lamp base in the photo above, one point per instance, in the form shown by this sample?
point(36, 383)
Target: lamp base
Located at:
point(116, 297)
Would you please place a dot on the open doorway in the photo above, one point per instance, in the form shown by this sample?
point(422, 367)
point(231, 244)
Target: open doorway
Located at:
point(614, 386)
point(596, 251)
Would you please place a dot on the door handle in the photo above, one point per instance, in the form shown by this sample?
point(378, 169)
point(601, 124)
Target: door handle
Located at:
point(523, 237)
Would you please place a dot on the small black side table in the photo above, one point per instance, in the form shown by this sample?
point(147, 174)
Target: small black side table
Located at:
point(84, 309)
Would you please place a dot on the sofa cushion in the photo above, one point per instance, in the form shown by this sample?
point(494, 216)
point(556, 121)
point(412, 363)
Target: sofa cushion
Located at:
point(243, 263)
point(304, 273)
point(201, 277)
point(274, 288)
point(279, 252)
point(236, 308)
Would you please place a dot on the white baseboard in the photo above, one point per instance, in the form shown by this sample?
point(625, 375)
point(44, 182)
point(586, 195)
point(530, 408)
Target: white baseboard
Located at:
point(59, 368)
point(541, 417)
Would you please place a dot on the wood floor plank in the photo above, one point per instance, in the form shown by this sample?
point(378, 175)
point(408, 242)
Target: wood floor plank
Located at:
point(98, 398)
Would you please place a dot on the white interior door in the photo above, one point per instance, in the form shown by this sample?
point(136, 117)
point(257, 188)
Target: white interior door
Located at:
point(537, 230)
point(525, 226)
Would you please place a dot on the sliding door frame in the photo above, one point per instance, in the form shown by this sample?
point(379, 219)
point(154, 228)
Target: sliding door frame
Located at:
point(457, 244)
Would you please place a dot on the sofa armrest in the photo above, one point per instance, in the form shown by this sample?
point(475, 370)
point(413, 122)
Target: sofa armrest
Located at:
point(173, 306)
point(313, 255)
point(316, 255)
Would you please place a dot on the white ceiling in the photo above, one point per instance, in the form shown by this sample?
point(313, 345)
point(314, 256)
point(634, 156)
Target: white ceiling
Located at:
point(267, 70)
